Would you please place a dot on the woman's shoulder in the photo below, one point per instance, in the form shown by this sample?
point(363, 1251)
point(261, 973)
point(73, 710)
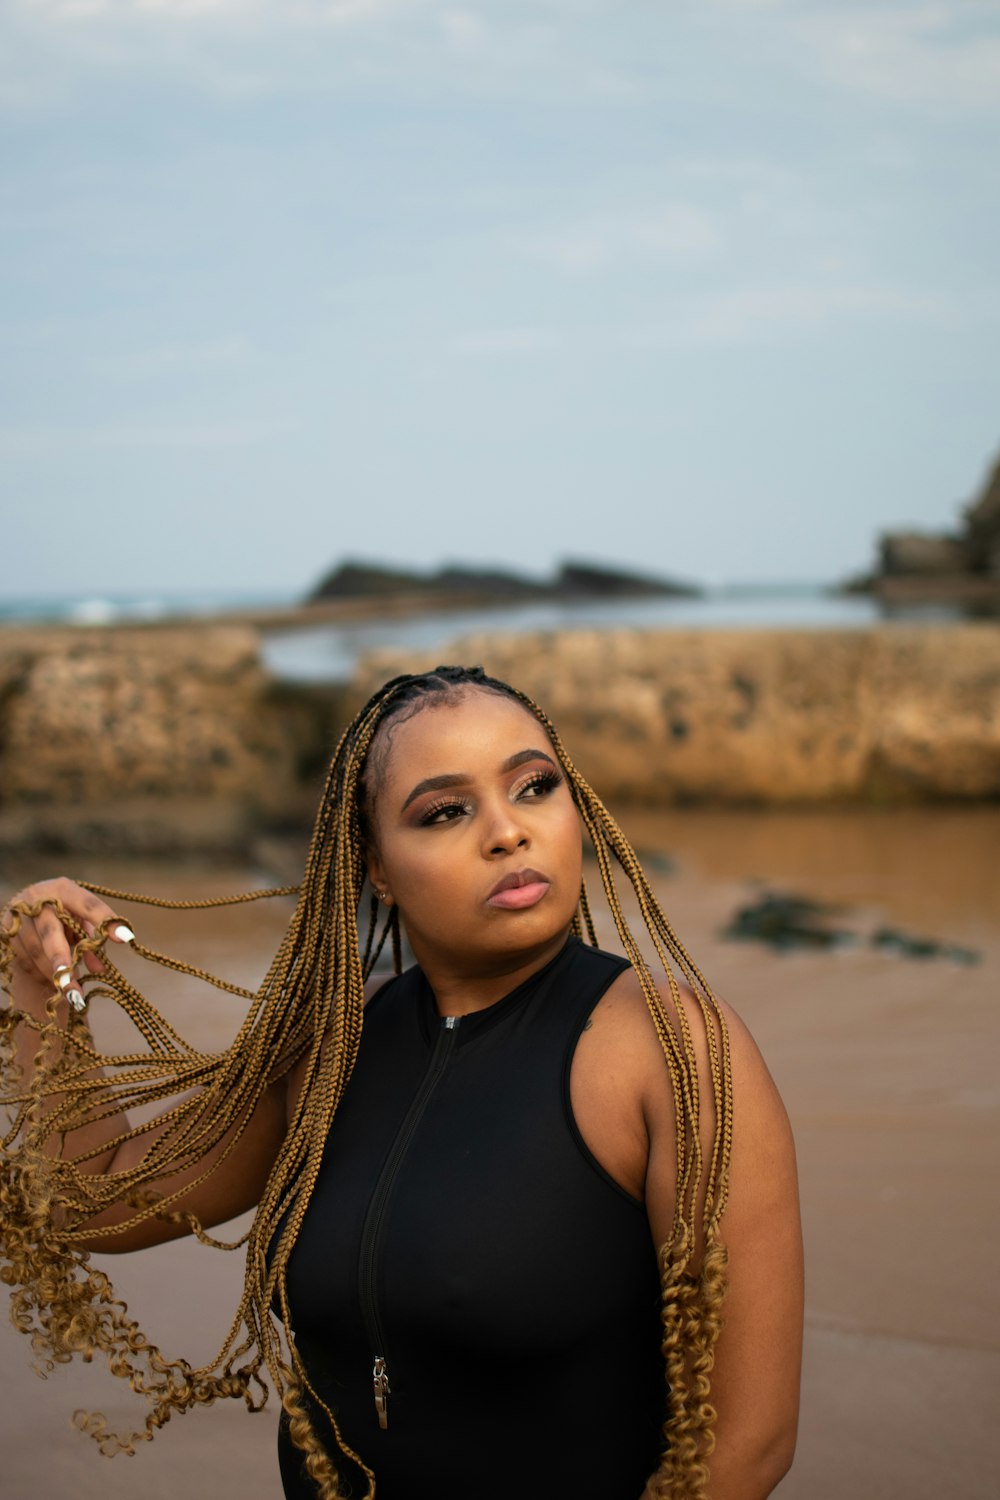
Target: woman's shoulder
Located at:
point(679, 1003)
point(709, 1030)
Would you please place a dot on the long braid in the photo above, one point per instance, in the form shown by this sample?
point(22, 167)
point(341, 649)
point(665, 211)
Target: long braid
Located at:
point(308, 1012)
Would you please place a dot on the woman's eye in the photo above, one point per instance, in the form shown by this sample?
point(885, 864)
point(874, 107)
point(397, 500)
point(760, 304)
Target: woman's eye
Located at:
point(539, 784)
point(443, 812)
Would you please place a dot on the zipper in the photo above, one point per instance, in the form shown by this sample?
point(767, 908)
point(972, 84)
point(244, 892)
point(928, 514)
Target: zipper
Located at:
point(379, 1203)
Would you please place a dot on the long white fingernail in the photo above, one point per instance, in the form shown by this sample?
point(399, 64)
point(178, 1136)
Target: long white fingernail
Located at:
point(76, 999)
point(122, 933)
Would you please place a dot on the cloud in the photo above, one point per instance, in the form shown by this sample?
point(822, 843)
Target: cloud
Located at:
point(923, 51)
point(744, 172)
point(927, 54)
point(465, 30)
point(939, 54)
point(291, 12)
point(489, 342)
point(170, 357)
point(763, 313)
point(48, 45)
point(677, 231)
point(400, 48)
point(37, 440)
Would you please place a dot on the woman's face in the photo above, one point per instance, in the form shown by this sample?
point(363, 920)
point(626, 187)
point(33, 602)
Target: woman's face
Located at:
point(476, 837)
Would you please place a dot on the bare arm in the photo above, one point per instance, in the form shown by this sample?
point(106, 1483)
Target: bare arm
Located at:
point(40, 948)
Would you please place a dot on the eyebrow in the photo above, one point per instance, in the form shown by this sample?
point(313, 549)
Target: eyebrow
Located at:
point(462, 778)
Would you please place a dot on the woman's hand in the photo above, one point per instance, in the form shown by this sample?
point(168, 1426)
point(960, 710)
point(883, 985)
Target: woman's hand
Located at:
point(42, 944)
point(226, 1180)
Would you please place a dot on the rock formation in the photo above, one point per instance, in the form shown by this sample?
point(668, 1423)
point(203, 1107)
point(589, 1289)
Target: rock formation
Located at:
point(963, 566)
point(982, 527)
point(573, 580)
point(919, 554)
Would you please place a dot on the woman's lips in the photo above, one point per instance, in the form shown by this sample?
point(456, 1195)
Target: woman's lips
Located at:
point(517, 896)
point(519, 890)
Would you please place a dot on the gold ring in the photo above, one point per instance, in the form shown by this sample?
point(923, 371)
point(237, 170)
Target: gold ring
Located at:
point(63, 976)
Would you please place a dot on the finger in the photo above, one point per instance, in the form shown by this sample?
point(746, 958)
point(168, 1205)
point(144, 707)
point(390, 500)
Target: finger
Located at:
point(46, 949)
point(46, 958)
point(99, 916)
point(82, 907)
point(69, 986)
point(119, 932)
point(43, 943)
point(89, 910)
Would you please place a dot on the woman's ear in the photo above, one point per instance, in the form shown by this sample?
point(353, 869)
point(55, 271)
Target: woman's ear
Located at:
point(376, 876)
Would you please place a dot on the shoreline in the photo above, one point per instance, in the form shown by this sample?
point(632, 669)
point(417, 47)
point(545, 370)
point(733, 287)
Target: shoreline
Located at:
point(973, 598)
point(264, 617)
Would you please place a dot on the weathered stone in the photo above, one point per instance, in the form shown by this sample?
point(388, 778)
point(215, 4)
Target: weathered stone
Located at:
point(982, 525)
point(923, 553)
point(119, 730)
point(940, 567)
point(935, 706)
point(174, 739)
point(757, 716)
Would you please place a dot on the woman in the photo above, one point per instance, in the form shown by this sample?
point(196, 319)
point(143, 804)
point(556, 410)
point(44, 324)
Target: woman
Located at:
point(486, 1257)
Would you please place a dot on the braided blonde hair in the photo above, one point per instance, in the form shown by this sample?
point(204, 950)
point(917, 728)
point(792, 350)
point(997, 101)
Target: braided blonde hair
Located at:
point(307, 1012)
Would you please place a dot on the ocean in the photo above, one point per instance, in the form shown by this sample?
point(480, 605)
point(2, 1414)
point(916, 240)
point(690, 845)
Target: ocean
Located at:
point(327, 652)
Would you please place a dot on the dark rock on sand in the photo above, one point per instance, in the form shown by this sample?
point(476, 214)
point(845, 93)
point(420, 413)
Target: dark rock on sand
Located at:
point(573, 580)
point(786, 922)
point(891, 940)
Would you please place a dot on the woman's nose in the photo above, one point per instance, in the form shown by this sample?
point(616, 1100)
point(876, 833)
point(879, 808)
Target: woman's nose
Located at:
point(505, 832)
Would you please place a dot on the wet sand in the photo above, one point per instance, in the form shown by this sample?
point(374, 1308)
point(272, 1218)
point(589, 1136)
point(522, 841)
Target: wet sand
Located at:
point(887, 1065)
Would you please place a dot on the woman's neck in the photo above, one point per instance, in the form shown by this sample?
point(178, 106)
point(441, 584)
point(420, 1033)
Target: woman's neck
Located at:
point(463, 986)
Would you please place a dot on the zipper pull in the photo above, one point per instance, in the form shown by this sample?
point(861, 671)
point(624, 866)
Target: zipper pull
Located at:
point(380, 1384)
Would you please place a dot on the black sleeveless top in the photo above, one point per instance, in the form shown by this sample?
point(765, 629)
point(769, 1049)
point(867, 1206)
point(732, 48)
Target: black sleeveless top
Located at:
point(462, 1235)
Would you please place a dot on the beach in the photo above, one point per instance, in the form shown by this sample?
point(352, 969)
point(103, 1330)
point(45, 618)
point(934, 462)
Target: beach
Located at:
point(886, 1063)
point(643, 359)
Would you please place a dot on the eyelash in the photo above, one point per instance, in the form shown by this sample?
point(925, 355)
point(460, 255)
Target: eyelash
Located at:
point(541, 782)
point(446, 804)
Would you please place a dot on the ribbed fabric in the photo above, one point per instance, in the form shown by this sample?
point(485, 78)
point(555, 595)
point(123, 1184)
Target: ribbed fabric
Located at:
point(511, 1282)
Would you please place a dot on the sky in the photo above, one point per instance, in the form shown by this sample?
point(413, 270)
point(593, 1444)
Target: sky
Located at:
point(706, 290)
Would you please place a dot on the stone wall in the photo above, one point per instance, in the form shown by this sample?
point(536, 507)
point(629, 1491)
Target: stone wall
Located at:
point(150, 740)
point(147, 739)
point(760, 716)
